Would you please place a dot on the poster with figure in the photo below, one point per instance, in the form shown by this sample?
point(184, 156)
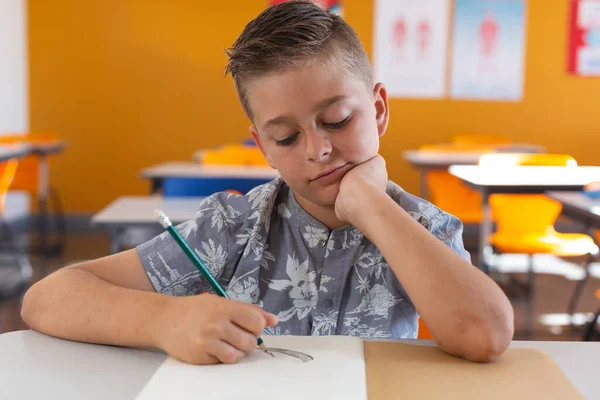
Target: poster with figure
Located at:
point(335, 6)
point(488, 54)
point(410, 47)
point(584, 38)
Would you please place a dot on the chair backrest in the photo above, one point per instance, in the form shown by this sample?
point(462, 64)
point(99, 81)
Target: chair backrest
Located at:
point(457, 148)
point(451, 195)
point(8, 170)
point(424, 332)
point(520, 214)
point(526, 159)
point(27, 176)
point(480, 139)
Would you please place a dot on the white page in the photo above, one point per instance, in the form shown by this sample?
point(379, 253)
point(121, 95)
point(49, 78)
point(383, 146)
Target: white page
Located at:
point(337, 371)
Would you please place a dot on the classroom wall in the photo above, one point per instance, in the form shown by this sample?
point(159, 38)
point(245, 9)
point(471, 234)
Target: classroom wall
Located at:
point(130, 83)
point(13, 85)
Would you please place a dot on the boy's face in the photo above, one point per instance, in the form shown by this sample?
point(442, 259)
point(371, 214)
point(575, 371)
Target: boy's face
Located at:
point(315, 123)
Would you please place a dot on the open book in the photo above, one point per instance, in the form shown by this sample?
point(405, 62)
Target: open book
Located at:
point(337, 370)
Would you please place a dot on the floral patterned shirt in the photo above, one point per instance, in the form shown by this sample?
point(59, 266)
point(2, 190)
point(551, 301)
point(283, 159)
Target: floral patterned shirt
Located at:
point(266, 250)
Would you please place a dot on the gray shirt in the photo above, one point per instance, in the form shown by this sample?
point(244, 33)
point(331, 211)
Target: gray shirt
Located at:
point(267, 250)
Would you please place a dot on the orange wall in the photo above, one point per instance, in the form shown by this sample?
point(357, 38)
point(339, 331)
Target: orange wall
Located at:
point(130, 83)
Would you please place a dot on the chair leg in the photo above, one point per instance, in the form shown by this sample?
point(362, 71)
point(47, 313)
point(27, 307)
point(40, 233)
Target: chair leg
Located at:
point(59, 215)
point(530, 293)
point(45, 222)
point(16, 251)
point(578, 290)
point(590, 331)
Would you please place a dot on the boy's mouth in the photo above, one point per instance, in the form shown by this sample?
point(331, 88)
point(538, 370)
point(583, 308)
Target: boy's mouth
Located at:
point(330, 173)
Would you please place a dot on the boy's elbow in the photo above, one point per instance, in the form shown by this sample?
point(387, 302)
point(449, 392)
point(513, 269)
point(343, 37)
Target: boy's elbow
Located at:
point(30, 309)
point(488, 341)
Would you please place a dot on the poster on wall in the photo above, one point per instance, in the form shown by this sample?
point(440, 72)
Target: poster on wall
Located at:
point(488, 60)
point(410, 47)
point(335, 6)
point(584, 38)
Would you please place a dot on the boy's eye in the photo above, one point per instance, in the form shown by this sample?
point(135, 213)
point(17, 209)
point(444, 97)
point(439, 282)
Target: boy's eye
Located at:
point(336, 125)
point(288, 140)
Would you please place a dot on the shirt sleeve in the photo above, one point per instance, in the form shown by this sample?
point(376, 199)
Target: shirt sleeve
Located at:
point(211, 235)
point(446, 227)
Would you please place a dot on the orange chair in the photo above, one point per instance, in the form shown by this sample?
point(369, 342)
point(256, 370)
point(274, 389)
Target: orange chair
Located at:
point(473, 139)
point(12, 285)
point(448, 192)
point(525, 222)
point(424, 332)
point(28, 179)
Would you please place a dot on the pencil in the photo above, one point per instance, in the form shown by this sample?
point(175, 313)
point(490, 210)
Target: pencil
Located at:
point(166, 223)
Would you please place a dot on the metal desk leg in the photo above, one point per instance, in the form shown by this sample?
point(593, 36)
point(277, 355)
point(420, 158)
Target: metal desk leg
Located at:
point(116, 235)
point(485, 230)
point(423, 188)
point(156, 185)
point(43, 209)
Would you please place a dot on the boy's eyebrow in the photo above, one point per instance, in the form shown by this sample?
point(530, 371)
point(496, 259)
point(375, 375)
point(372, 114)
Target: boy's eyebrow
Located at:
point(283, 119)
point(327, 102)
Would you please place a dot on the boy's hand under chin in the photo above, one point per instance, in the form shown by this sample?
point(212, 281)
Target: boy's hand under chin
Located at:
point(368, 176)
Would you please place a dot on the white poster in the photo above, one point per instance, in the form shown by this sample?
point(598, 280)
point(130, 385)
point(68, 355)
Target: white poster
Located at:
point(410, 49)
point(489, 50)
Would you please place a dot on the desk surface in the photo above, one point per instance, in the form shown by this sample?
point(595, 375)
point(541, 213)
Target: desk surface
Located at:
point(139, 210)
point(527, 178)
point(194, 170)
point(579, 206)
point(14, 151)
point(48, 148)
point(444, 159)
point(37, 366)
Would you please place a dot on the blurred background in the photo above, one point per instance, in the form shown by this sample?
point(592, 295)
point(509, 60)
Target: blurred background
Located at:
point(108, 108)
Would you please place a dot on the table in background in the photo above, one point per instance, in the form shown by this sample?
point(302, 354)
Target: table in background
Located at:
point(158, 173)
point(428, 160)
point(139, 212)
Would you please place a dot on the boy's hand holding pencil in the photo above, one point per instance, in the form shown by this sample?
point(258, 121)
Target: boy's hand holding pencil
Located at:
point(208, 329)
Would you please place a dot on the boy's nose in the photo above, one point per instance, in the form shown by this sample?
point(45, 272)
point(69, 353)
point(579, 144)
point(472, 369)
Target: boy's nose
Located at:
point(318, 146)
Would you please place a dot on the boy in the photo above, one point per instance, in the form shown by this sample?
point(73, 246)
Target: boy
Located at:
point(331, 247)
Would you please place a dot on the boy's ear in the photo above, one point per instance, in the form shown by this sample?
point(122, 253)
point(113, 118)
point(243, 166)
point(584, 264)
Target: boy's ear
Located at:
point(257, 140)
point(382, 110)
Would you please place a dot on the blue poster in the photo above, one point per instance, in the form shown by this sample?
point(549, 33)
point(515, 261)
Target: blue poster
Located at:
point(488, 60)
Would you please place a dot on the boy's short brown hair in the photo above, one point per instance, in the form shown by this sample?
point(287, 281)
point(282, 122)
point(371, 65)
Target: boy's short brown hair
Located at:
point(290, 34)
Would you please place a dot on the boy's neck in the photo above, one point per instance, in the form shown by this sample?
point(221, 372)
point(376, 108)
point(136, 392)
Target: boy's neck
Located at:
point(323, 214)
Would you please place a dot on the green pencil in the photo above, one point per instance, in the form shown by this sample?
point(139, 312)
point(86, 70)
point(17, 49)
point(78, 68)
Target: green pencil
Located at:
point(166, 223)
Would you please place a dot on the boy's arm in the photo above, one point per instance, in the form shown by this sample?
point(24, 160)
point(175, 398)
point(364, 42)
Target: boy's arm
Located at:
point(466, 312)
point(111, 301)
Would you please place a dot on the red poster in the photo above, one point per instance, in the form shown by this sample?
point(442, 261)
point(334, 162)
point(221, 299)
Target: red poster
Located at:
point(584, 38)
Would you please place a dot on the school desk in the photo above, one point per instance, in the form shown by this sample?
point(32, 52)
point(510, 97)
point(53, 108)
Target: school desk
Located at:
point(13, 151)
point(428, 160)
point(523, 180)
point(138, 212)
point(579, 207)
point(176, 169)
point(36, 366)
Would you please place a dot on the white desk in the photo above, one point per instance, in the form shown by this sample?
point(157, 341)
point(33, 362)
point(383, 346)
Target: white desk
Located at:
point(35, 366)
point(8, 151)
point(138, 212)
point(579, 207)
point(426, 160)
point(513, 180)
point(585, 209)
point(194, 170)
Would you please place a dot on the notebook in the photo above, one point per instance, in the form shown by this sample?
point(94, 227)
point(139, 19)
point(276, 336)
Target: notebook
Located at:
point(336, 371)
